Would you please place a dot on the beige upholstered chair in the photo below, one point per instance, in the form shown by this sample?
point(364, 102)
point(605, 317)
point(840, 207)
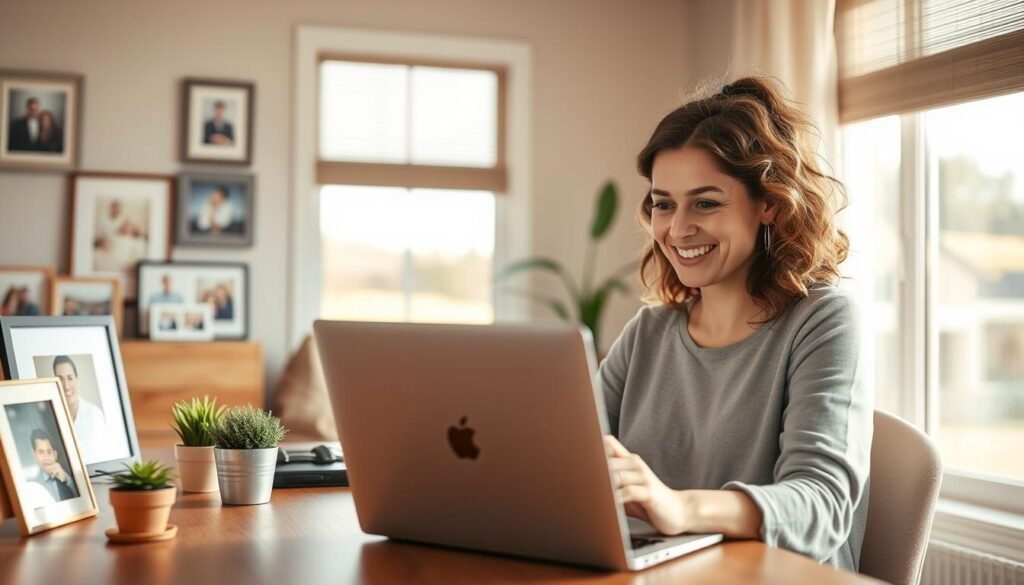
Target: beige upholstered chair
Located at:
point(905, 475)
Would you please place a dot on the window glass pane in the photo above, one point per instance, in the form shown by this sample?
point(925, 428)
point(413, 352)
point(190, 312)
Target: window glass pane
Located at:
point(451, 241)
point(390, 254)
point(872, 178)
point(363, 253)
point(364, 112)
point(977, 165)
point(454, 117)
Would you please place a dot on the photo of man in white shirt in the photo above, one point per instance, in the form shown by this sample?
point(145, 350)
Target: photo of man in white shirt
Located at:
point(87, 417)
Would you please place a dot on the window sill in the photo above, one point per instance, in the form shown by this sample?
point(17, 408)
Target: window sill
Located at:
point(979, 528)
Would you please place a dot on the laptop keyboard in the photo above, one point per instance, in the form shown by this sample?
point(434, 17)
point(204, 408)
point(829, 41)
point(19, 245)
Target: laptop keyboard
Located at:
point(637, 542)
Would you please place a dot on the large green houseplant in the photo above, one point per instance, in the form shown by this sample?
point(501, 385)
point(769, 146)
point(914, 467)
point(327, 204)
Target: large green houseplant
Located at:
point(587, 299)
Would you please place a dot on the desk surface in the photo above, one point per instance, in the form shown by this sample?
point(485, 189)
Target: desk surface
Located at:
point(311, 535)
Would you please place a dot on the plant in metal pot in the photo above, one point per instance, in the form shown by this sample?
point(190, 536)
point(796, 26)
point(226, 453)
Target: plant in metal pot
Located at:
point(193, 421)
point(587, 299)
point(142, 497)
point(245, 449)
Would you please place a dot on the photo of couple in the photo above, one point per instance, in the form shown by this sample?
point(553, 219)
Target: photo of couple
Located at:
point(17, 301)
point(33, 127)
point(24, 290)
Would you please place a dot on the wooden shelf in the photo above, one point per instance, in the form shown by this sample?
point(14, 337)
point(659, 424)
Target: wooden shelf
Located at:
point(160, 374)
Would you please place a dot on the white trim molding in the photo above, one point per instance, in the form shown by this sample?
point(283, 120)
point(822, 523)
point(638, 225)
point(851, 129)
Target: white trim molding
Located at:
point(979, 528)
point(512, 209)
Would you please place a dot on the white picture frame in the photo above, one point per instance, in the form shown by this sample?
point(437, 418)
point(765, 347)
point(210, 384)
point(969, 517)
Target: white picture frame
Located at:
point(117, 221)
point(181, 322)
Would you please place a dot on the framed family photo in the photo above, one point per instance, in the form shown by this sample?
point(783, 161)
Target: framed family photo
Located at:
point(215, 210)
point(181, 322)
point(217, 121)
point(25, 290)
point(80, 296)
point(84, 355)
point(39, 115)
point(118, 220)
point(40, 459)
point(222, 285)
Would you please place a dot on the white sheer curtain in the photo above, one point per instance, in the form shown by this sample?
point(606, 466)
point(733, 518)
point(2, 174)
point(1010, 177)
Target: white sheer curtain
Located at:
point(794, 41)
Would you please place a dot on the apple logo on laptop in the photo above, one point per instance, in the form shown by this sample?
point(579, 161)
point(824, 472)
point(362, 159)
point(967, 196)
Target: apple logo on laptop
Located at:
point(461, 440)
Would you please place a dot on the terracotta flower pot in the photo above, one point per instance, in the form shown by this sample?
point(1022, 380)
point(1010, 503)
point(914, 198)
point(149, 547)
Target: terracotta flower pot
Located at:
point(142, 511)
point(197, 471)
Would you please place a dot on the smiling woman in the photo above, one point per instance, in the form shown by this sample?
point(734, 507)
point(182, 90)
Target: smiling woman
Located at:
point(736, 403)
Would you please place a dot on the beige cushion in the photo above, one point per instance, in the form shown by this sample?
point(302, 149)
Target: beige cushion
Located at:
point(301, 399)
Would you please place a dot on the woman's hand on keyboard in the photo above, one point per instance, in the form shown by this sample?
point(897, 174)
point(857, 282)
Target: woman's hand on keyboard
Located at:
point(642, 493)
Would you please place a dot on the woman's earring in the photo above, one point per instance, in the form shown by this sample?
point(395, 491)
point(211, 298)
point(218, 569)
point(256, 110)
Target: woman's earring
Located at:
point(768, 239)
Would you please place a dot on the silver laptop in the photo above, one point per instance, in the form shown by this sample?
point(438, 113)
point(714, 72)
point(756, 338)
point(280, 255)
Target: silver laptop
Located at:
point(483, 437)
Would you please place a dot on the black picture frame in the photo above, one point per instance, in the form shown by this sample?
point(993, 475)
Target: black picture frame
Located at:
point(144, 269)
point(233, 236)
point(10, 367)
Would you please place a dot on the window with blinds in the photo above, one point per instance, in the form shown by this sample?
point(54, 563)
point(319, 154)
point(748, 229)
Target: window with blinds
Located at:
point(410, 162)
point(932, 96)
point(411, 124)
point(897, 56)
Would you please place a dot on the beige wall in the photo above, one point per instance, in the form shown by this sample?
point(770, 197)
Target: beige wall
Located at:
point(604, 73)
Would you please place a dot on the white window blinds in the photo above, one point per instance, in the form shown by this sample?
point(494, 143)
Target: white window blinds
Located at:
point(409, 124)
point(904, 55)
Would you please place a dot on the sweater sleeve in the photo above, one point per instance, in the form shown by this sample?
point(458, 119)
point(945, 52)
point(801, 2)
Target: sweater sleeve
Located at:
point(612, 372)
point(825, 445)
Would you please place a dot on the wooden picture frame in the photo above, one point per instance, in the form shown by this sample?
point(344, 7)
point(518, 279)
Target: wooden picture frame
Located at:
point(29, 138)
point(90, 293)
point(215, 210)
point(217, 121)
point(225, 284)
point(88, 348)
point(118, 219)
point(37, 279)
point(44, 475)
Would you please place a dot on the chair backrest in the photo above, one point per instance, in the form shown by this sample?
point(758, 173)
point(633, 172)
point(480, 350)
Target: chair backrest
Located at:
point(906, 472)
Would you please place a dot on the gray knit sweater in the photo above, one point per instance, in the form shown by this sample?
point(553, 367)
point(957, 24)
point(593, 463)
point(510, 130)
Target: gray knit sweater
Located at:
point(782, 415)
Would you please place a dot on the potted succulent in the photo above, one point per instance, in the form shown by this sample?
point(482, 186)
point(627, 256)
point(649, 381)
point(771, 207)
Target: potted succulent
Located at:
point(245, 449)
point(142, 497)
point(193, 420)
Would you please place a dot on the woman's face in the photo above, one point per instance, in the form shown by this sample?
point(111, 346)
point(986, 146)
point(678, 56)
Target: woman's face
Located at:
point(701, 212)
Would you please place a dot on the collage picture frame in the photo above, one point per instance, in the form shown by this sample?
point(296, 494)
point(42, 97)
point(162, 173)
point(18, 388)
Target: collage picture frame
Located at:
point(223, 285)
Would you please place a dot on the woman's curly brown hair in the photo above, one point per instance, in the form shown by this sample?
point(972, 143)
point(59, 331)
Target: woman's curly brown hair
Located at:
point(761, 138)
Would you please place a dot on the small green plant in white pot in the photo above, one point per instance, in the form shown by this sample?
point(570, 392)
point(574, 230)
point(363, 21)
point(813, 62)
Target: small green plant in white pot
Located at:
point(193, 420)
point(142, 497)
point(245, 449)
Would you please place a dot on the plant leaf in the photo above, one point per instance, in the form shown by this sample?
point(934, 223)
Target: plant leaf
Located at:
point(542, 264)
point(604, 211)
point(557, 306)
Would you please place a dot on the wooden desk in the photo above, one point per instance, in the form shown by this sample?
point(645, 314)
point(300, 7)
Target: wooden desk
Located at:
point(312, 536)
